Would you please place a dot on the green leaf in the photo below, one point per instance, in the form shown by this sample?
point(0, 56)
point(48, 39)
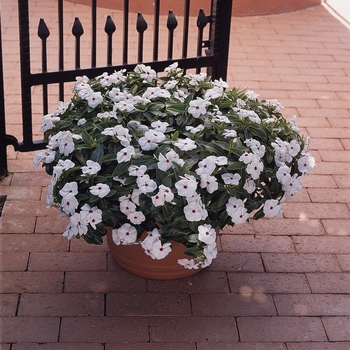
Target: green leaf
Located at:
point(97, 154)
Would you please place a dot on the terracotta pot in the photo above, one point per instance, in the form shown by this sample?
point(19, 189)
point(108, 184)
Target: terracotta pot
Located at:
point(133, 259)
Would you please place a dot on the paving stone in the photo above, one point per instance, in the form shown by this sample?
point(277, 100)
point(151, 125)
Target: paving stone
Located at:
point(256, 244)
point(337, 227)
point(151, 346)
point(211, 330)
point(148, 304)
point(288, 227)
point(281, 329)
point(16, 224)
point(337, 328)
point(250, 284)
point(241, 346)
point(50, 225)
point(318, 346)
point(344, 261)
point(30, 329)
point(329, 195)
point(300, 262)
point(14, 261)
point(32, 282)
point(227, 304)
point(316, 210)
point(67, 261)
point(103, 282)
point(31, 242)
point(63, 304)
point(104, 329)
point(203, 282)
point(8, 304)
point(312, 304)
point(332, 283)
point(58, 346)
point(234, 262)
point(322, 244)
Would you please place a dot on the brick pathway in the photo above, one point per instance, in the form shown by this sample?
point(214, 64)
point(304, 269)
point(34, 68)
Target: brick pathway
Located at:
point(276, 285)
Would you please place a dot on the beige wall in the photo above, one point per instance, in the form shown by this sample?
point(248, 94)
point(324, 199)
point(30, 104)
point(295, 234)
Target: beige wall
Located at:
point(240, 7)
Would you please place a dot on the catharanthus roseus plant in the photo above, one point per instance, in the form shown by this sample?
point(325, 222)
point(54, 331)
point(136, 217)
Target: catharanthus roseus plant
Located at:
point(177, 156)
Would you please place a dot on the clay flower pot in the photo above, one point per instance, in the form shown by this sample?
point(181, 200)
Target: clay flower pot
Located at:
point(133, 259)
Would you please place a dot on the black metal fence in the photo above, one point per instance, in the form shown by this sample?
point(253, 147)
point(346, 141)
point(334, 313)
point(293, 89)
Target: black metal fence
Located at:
point(211, 54)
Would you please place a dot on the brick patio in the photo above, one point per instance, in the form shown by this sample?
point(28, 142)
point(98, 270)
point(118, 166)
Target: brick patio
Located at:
point(276, 285)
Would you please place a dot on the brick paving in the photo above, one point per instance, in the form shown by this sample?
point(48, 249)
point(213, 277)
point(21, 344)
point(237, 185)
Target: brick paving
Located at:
point(276, 285)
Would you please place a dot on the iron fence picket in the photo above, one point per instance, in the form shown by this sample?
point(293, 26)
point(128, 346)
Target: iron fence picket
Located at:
point(214, 60)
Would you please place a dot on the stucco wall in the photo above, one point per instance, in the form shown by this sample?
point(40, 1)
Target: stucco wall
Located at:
point(240, 7)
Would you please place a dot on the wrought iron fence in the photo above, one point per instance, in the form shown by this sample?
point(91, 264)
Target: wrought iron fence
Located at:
point(211, 54)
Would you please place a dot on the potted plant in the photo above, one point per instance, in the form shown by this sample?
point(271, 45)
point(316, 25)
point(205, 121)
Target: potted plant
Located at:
point(168, 159)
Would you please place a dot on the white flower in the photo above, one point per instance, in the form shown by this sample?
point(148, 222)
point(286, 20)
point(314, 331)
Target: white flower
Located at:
point(220, 83)
point(151, 139)
point(292, 187)
point(249, 186)
point(81, 121)
point(210, 251)
point(70, 188)
point(306, 163)
point(193, 211)
point(185, 144)
point(206, 234)
point(71, 230)
point(150, 239)
point(213, 93)
point(94, 99)
point(206, 166)
point(166, 162)
point(246, 157)
point(154, 92)
point(197, 107)
point(240, 216)
point(119, 179)
point(159, 126)
point(231, 179)
point(293, 148)
point(125, 154)
point(188, 264)
point(251, 95)
point(272, 208)
point(127, 207)
point(170, 84)
point(69, 204)
point(147, 73)
point(91, 167)
point(92, 216)
point(209, 182)
point(255, 167)
point(186, 186)
point(80, 223)
point(46, 156)
point(283, 174)
point(126, 234)
point(146, 184)
point(194, 130)
point(164, 195)
point(137, 217)
point(100, 190)
point(125, 106)
point(160, 251)
point(229, 133)
point(135, 196)
point(135, 170)
point(256, 147)
point(236, 210)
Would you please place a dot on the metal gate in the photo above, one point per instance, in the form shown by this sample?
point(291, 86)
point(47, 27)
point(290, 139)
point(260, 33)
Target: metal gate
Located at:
point(211, 54)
